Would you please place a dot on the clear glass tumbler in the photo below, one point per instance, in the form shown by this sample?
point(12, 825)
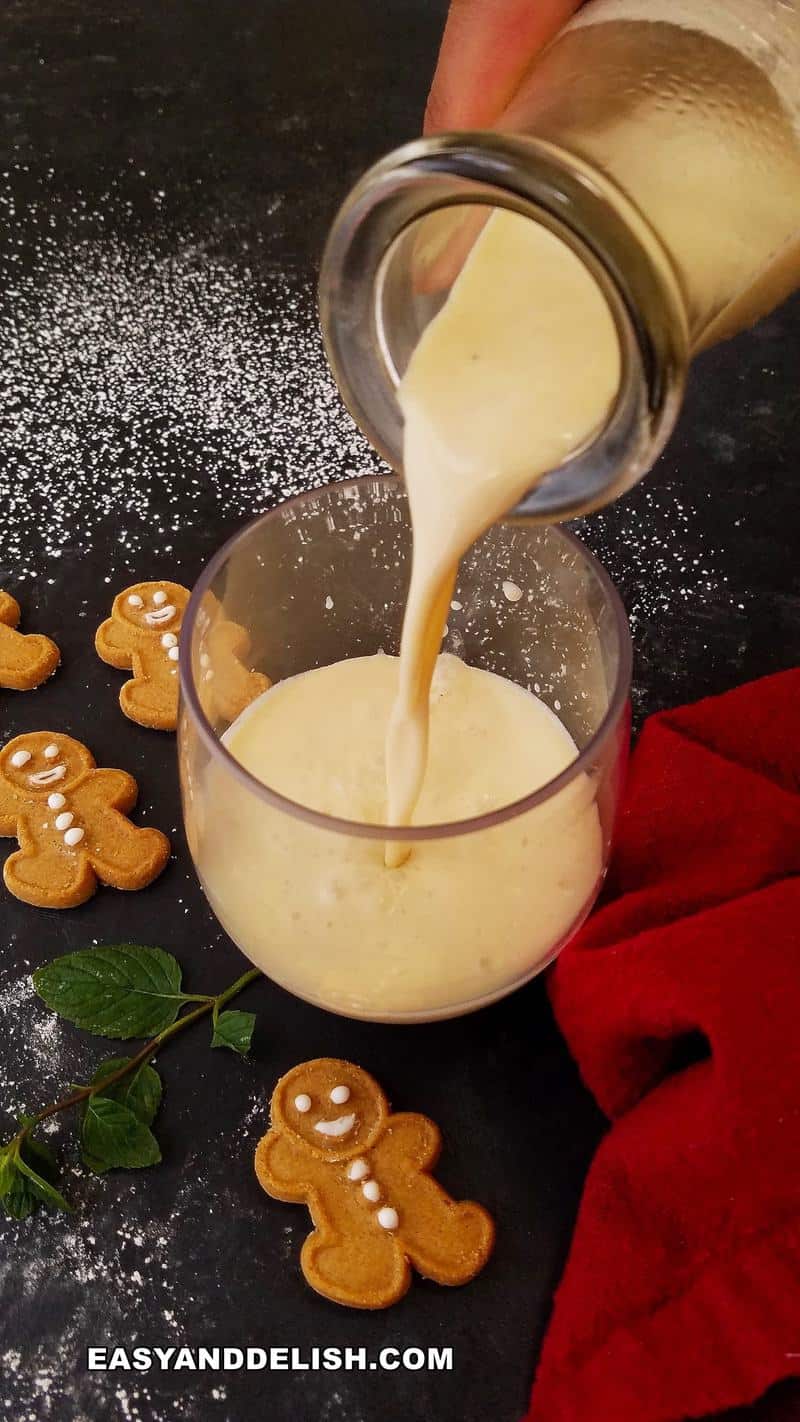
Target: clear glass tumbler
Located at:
point(321, 578)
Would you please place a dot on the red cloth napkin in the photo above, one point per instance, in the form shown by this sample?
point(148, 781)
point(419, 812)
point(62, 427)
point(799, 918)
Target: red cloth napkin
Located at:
point(681, 1294)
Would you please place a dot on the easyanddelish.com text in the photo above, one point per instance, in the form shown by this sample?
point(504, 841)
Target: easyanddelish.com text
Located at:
point(292, 1360)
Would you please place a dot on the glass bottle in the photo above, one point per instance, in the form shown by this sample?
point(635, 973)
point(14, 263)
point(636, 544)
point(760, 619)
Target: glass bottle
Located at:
point(659, 139)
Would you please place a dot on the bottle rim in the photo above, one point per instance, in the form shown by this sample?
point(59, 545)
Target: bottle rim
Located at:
point(584, 209)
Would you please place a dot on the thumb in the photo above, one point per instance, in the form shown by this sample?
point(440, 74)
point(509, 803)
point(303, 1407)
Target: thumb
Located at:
point(487, 47)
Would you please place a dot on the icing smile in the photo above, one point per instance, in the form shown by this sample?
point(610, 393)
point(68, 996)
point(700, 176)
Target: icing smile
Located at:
point(162, 615)
point(49, 776)
point(339, 1127)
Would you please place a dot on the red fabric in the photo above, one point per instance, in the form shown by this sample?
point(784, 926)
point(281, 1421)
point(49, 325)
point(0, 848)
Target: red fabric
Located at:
point(681, 1295)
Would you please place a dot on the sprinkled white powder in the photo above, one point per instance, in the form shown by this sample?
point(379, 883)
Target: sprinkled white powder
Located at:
point(32, 1037)
point(651, 545)
point(127, 370)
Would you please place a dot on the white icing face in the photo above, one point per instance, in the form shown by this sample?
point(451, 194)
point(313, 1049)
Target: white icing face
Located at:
point(161, 615)
point(151, 607)
point(340, 1094)
point(31, 766)
point(339, 1127)
point(49, 776)
point(302, 1103)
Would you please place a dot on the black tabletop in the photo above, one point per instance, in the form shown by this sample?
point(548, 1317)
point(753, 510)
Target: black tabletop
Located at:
point(167, 175)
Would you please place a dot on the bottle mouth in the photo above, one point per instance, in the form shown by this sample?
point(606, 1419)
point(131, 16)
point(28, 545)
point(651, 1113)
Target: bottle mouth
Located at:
point(374, 308)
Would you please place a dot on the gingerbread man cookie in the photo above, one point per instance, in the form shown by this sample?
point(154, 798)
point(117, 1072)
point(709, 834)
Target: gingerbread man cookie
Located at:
point(225, 683)
point(364, 1175)
point(25, 660)
point(71, 822)
point(141, 636)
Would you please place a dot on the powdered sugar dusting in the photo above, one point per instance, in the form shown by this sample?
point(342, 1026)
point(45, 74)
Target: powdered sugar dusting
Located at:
point(138, 363)
point(679, 603)
point(649, 543)
point(33, 1038)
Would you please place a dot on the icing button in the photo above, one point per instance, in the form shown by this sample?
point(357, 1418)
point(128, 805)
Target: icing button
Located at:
point(371, 1191)
point(64, 821)
point(388, 1218)
point(358, 1170)
point(56, 801)
point(73, 837)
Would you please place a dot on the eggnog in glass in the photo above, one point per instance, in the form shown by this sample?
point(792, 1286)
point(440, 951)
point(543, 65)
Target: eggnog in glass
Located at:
point(286, 803)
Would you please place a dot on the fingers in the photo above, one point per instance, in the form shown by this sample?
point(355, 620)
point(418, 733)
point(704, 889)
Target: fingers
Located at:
point(487, 47)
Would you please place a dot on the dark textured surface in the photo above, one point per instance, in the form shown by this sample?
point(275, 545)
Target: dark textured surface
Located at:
point(249, 119)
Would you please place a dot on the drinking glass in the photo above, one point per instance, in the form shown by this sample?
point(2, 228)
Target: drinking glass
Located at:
point(324, 577)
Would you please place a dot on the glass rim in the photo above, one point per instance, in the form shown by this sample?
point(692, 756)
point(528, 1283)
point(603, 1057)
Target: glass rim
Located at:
point(190, 701)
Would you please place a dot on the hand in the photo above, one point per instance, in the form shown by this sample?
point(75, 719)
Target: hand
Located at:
point(487, 48)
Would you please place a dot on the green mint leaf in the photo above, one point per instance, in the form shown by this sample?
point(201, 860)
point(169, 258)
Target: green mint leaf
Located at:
point(112, 1136)
point(39, 1186)
point(8, 1170)
point(235, 1030)
point(140, 1091)
point(27, 1172)
point(19, 1200)
point(121, 990)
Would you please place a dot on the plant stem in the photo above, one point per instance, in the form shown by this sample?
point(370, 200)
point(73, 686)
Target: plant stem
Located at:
point(81, 1093)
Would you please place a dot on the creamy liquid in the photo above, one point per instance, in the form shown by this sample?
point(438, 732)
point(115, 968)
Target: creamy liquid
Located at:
point(517, 371)
point(467, 915)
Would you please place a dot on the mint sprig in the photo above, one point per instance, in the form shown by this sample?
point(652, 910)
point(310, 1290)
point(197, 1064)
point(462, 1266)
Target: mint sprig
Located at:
point(122, 990)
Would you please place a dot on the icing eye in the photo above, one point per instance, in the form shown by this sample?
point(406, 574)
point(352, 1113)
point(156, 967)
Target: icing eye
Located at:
point(20, 758)
point(159, 598)
point(340, 1094)
point(135, 600)
point(302, 1103)
point(50, 752)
